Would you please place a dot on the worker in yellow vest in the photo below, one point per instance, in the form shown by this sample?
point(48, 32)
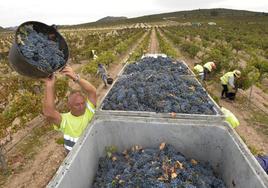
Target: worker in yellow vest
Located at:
point(82, 107)
point(228, 79)
point(199, 70)
point(208, 67)
point(230, 117)
point(203, 71)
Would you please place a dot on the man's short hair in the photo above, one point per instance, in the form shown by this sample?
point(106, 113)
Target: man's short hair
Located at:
point(73, 92)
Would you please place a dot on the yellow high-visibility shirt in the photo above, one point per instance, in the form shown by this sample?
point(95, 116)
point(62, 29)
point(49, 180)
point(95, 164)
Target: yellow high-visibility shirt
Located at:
point(225, 78)
point(198, 69)
point(230, 117)
point(73, 126)
point(208, 66)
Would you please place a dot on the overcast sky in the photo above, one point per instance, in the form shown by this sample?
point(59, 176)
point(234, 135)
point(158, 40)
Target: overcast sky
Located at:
point(15, 12)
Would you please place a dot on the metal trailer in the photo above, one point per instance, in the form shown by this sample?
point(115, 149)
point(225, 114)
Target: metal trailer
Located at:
point(203, 140)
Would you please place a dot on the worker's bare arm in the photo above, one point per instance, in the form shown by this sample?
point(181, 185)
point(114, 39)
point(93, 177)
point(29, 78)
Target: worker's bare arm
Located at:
point(49, 109)
point(86, 86)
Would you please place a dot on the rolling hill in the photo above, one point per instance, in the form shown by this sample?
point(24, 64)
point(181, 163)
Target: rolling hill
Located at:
point(198, 15)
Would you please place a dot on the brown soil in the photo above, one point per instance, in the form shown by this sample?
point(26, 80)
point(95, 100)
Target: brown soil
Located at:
point(258, 97)
point(154, 45)
point(38, 171)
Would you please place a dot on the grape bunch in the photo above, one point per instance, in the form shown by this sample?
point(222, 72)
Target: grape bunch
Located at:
point(159, 64)
point(154, 168)
point(161, 90)
point(39, 50)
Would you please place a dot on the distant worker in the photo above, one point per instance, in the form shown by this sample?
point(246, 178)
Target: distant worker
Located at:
point(208, 67)
point(205, 70)
point(82, 108)
point(103, 73)
point(230, 117)
point(199, 70)
point(263, 161)
point(94, 56)
point(229, 79)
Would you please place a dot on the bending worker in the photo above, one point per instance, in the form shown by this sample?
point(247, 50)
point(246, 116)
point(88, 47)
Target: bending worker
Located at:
point(208, 68)
point(228, 79)
point(199, 70)
point(203, 71)
point(82, 108)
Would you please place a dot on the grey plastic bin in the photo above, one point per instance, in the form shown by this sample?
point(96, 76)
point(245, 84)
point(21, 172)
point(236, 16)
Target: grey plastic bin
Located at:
point(202, 140)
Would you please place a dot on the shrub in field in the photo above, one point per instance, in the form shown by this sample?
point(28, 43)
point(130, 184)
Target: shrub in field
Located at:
point(266, 54)
point(90, 68)
point(25, 103)
point(223, 57)
point(215, 56)
point(165, 47)
point(237, 45)
point(250, 75)
point(205, 43)
point(11, 85)
point(175, 38)
point(229, 38)
point(109, 50)
point(122, 47)
point(262, 66)
point(141, 49)
point(3, 125)
point(106, 58)
point(190, 48)
point(135, 55)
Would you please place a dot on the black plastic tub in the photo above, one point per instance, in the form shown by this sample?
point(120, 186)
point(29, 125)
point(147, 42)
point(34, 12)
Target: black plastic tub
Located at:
point(22, 65)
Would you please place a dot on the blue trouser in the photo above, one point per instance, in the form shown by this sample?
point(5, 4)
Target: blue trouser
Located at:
point(104, 78)
point(263, 160)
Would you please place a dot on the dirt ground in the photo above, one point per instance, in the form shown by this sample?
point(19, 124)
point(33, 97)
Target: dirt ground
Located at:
point(154, 45)
point(37, 171)
point(258, 97)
